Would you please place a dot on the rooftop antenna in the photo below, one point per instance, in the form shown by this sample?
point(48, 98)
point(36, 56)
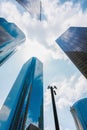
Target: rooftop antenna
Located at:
point(40, 9)
point(53, 92)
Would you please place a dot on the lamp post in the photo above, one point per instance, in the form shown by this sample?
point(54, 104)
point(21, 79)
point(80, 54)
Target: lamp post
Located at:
point(53, 92)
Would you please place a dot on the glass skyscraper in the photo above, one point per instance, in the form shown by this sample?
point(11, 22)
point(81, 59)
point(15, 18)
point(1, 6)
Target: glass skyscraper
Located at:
point(23, 107)
point(35, 8)
point(74, 44)
point(79, 112)
point(32, 6)
point(10, 37)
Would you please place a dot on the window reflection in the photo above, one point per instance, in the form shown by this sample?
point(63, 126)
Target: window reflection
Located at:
point(35, 8)
point(10, 37)
point(4, 36)
point(74, 44)
point(79, 110)
point(24, 103)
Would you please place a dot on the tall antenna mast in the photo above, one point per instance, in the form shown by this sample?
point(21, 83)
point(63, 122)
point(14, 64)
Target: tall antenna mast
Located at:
point(40, 9)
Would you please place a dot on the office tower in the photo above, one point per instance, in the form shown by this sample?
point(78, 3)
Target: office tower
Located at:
point(74, 44)
point(10, 37)
point(23, 104)
point(34, 7)
point(79, 112)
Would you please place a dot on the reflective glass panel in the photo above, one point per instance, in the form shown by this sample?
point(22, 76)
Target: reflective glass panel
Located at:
point(4, 36)
point(35, 8)
point(10, 37)
point(74, 44)
point(79, 110)
point(24, 104)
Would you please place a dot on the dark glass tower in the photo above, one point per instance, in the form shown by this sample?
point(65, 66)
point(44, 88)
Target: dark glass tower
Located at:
point(10, 37)
point(79, 112)
point(23, 104)
point(74, 44)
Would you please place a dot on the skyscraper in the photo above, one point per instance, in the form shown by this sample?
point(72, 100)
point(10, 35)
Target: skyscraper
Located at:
point(23, 104)
point(34, 7)
point(79, 112)
point(10, 37)
point(74, 44)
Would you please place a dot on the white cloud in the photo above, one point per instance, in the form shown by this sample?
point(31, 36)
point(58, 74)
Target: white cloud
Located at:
point(70, 90)
point(63, 102)
point(47, 99)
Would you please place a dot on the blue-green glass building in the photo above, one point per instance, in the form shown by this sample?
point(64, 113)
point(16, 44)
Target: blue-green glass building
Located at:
point(79, 112)
point(24, 104)
point(10, 37)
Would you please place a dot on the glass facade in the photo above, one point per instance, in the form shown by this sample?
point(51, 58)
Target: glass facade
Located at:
point(10, 37)
point(79, 112)
point(4, 36)
point(74, 44)
point(23, 105)
point(35, 8)
point(32, 6)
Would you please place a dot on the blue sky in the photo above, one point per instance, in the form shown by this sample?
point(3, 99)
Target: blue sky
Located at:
point(83, 3)
point(40, 42)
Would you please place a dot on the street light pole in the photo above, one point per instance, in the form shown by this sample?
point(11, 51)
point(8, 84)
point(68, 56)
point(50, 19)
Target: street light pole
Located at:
point(54, 106)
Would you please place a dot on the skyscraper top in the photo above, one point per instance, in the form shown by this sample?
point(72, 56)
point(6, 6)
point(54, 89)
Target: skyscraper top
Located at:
point(74, 44)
